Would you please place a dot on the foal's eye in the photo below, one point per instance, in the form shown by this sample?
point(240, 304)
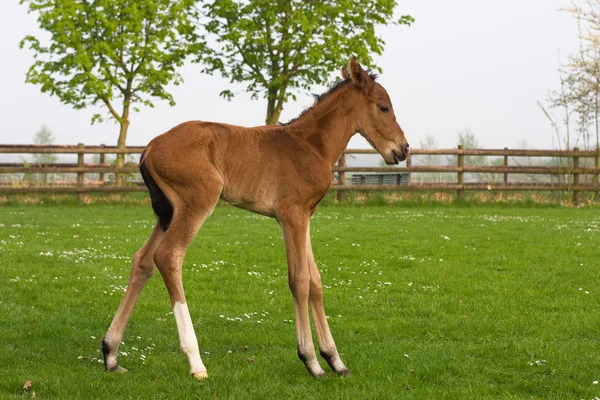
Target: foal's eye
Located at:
point(384, 109)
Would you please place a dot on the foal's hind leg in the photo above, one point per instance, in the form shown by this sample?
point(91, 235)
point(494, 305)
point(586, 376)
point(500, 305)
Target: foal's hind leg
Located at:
point(169, 260)
point(142, 268)
point(326, 344)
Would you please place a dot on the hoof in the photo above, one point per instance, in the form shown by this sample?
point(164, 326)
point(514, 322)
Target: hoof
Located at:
point(200, 375)
point(320, 375)
point(117, 369)
point(343, 372)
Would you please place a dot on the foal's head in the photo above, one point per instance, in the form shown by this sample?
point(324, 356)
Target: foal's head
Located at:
point(375, 118)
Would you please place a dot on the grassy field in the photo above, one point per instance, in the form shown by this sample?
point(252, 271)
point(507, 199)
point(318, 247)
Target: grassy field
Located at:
point(424, 303)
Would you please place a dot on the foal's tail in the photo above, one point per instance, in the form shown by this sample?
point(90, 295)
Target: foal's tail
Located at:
point(160, 203)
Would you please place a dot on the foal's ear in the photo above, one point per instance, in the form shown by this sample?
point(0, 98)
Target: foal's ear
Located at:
point(359, 77)
point(345, 73)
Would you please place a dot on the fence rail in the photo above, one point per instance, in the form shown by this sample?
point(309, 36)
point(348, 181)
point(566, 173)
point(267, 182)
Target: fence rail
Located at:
point(570, 167)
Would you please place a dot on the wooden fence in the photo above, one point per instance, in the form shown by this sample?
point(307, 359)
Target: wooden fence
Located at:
point(574, 170)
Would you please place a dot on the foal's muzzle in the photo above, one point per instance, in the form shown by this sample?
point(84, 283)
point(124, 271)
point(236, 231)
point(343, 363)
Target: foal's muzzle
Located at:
point(402, 153)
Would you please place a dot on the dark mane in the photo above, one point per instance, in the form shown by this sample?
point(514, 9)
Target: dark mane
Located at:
point(332, 89)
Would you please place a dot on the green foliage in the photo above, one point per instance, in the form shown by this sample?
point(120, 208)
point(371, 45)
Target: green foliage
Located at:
point(277, 47)
point(103, 50)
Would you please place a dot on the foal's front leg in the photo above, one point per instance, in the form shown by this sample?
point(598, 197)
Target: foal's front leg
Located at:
point(326, 344)
point(294, 225)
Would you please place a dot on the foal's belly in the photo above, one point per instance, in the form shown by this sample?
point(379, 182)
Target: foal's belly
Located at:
point(258, 208)
point(258, 204)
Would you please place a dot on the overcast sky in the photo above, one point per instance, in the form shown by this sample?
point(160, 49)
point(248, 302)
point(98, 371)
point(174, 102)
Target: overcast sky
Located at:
point(464, 63)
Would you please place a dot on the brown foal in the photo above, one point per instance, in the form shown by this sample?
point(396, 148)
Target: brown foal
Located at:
point(279, 171)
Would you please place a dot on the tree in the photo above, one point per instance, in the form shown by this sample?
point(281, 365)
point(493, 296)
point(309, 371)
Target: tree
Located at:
point(468, 140)
point(430, 142)
point(44, 137)
point(105, 52)
point(579, 94)
point(559, 99)
point(584, 71)
point(277, 47)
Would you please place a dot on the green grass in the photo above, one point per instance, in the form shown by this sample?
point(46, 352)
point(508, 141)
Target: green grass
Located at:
point(424, 303)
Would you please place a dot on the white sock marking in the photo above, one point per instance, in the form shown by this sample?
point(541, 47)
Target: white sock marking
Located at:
point(187, 337)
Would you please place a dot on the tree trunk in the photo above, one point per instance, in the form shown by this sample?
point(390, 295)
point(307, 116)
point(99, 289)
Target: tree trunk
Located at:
point(272, 111)
point(121, 144)
point(276, 98)
point(596, 125)
point(273, 116)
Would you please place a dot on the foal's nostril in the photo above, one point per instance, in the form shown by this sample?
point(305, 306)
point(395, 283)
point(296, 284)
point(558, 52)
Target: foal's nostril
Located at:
point(405, 149)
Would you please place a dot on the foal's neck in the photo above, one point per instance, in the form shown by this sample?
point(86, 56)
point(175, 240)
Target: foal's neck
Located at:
point(329, 125)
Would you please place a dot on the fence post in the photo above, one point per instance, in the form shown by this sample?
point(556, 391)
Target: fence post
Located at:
point(80, 181)
point(102, 161)
point(460, 193)
point(408, 165)
point(597, 165)
point(341, 177)
point(505, 165)
point(575, 175)
point(45, 174)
